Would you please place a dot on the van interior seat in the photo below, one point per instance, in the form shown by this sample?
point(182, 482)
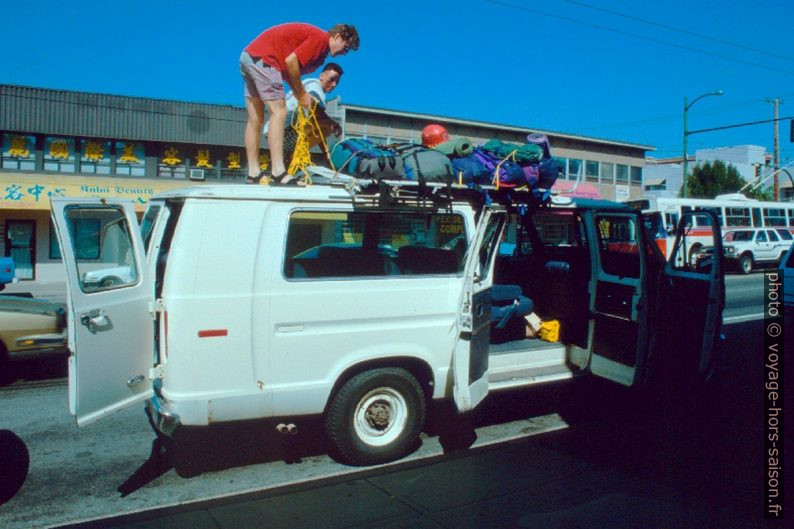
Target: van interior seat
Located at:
point(344, 262)
point(424, 260)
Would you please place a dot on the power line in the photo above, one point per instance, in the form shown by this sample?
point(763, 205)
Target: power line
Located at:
point(679, 30)
point(638, 36)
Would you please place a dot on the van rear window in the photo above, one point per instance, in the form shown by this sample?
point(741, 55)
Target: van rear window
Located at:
point(322, 244)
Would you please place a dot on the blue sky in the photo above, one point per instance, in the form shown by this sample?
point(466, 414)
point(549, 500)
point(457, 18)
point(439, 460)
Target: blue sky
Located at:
point(556, 65)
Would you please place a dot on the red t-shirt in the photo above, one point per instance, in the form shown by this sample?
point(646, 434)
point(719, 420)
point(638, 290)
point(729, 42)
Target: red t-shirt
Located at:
point(309, 43)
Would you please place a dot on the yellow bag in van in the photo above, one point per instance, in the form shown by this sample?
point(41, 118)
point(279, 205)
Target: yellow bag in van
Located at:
point(549, 331)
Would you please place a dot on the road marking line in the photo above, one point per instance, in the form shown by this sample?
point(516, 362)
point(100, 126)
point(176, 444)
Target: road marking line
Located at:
point(744, 317)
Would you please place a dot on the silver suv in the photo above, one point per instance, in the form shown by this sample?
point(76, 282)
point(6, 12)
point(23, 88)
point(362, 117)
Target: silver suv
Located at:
point(747, 248)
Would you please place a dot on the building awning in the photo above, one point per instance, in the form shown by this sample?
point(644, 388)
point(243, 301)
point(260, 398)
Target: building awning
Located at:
point(569, 188)
point(654, 182)
point(33, 191)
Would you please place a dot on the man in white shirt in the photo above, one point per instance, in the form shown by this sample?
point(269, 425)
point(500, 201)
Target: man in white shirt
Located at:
point(315, 87)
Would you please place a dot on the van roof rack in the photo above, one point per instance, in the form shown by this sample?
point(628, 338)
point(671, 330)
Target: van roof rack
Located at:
point(401, 194)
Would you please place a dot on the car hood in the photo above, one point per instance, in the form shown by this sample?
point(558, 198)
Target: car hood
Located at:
point(30, 305)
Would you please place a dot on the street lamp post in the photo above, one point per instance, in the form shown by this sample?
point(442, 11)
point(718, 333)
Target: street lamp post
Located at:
point(686, 133)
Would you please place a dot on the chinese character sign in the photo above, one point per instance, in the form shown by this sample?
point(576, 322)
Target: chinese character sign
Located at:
point(170, 157)
point(94, 151)
point(61, 149)
point(203, 158)
point(233, 160)
point(128, 152)
point(18, 146)
point(264, 161)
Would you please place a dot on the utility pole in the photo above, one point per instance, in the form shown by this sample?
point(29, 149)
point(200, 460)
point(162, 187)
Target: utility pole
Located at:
point(775, 188)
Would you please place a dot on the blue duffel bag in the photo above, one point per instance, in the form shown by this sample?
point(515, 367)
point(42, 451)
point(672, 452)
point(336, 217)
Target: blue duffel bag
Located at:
point(470, 171)
point(362, 158)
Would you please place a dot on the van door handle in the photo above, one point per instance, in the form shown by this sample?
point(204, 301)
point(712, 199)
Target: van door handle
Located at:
point(94, 318)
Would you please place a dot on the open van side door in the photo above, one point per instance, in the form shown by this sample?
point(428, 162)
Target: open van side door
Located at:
point(109, 293)
point(619, 328)
point(470, 359)
point(690, 302)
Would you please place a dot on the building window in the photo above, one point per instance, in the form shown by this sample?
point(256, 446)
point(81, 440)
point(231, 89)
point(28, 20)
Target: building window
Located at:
point(562, 163)
point(59, 155)
point(95, 156)
point(574, 168)
point(635, 174)
point(591, 170)
point(21, 246)
point(130, 158)
point(607, 173)
point(18, 152)
point(622, 173)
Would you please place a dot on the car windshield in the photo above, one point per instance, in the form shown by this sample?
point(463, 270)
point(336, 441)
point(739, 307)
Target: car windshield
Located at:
point(733, 236)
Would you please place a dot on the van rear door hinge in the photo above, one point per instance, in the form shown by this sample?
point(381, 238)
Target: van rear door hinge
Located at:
point(156, 307)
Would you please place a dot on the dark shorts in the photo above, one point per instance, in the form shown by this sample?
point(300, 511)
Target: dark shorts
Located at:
point(260, 80)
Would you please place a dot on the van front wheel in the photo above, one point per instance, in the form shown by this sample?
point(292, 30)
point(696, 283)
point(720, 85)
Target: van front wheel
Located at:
point(376, 416)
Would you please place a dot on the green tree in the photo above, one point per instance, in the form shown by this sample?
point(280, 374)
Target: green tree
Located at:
point(717, 178)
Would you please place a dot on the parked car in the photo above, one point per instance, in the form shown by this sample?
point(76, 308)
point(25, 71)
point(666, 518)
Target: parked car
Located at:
point(7, 271)
point(745, 249)
point(29, 327)
point(786, 276)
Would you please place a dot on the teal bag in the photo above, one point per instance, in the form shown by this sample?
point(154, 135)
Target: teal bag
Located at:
point(524, 154)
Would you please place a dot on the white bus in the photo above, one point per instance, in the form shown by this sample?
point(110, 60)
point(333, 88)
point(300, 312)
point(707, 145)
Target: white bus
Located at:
point(734, 211)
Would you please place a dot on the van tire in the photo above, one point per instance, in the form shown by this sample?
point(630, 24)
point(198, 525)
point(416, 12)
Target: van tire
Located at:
point(357, 435)
point(745, 263)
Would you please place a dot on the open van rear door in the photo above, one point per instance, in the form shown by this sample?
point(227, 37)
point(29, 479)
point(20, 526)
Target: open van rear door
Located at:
point(470, 361)
point(110, 288)
point(690, 302)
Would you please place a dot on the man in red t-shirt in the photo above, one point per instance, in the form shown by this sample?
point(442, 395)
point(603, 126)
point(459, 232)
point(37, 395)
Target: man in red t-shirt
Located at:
point(283, 53)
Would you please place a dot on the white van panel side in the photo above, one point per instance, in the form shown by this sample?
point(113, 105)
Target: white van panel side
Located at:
point(208, 288)
point(321, 327)
point(317, 336)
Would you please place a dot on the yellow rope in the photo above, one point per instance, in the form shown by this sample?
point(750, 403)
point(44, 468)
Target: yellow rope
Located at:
point(499, 165)
point(301, 158)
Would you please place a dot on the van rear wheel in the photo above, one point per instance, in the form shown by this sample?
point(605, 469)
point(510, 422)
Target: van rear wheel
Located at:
point(376, 416)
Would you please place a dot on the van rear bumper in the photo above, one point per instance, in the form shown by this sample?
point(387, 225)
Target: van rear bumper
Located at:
point(162, 421)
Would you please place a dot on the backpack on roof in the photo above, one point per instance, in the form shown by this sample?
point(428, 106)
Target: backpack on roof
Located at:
point(542, 174)
point(423, 164)
point(521, 154)
point(470, 171)
point(510, 173)
point(361, 158)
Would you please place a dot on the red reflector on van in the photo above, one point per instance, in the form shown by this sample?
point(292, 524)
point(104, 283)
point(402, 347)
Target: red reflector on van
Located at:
point(209, 333)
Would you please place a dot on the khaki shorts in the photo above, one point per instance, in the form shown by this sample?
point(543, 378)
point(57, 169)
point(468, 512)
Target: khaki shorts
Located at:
point(260, 80)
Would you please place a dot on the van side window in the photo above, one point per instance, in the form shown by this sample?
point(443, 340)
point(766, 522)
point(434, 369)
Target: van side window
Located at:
point(102, 247)
point(340, 244)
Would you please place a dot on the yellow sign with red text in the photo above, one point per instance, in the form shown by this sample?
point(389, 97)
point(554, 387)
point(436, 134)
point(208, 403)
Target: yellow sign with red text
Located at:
point(33, 191)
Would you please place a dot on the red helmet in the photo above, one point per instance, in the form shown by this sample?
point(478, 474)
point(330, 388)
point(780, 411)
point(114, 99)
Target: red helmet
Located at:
point(434, 134)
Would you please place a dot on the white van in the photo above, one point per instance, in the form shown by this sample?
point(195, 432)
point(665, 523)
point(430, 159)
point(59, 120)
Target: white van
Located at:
point(244, 302)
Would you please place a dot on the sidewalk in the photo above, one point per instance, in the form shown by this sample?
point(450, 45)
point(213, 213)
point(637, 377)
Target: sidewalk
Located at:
point(557, 480)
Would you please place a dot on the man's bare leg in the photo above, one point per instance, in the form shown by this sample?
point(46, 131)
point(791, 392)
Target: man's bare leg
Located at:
point(275, 135)
point(253, 132)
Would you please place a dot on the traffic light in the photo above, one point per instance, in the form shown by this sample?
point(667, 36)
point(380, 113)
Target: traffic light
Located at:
point(791, 131)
